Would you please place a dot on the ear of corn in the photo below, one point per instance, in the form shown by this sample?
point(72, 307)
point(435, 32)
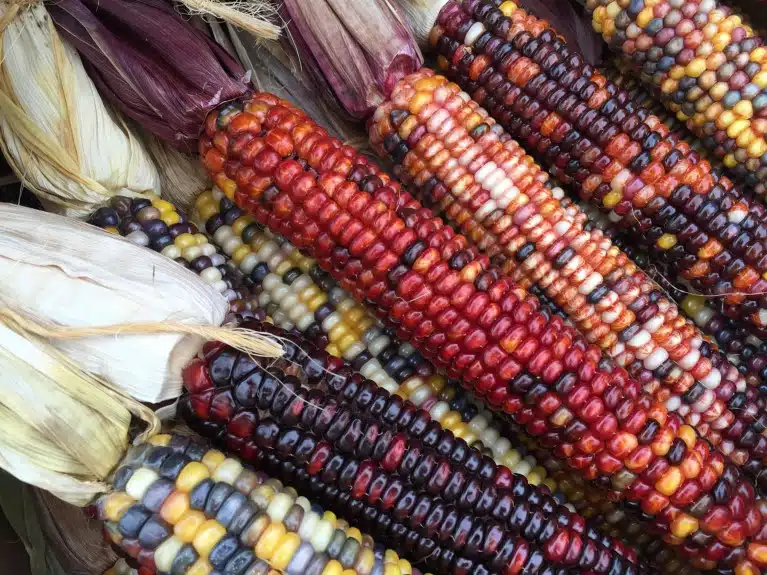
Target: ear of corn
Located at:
point(462, 313)
point(461, 160)
point(162, 227)
point(179, 507)
point(313, 413)
point(626, 160)
point(707, 66)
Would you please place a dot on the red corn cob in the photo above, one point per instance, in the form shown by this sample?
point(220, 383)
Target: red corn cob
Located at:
point(476, 324)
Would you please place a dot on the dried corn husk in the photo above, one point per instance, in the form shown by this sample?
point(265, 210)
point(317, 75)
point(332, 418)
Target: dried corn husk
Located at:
point(60, 139)
point(360, 48)
point(151, 64)
point(63, 430)
point(59, 538)
point(72, 274)
point(183, 176)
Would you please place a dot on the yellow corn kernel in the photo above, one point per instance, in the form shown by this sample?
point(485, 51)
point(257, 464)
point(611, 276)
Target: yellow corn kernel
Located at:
point(163, 205)
point(200, 567)
point(391, 569)
point(330, 517)
point(418, 101)
point(286, 548)
point(175, 506)
point(333, 567)
point(171, 218)
point(160, 440)
point(188, 525)
point(736, 128)
point(241, 253)
point(193, 473)
point(115, 505)
point(508, 8)
point(451, 419)
point(229, 187)
point(354, 533)
point(670, 481)
point(429, 84)
point(684, 525)
point(212, 459)
point(667, 241)
point(240, 224)
point(166, 553)
point(365, 560)
point(209, 533)
point(612, 198)
point(267, 543)
point(112, 230)
point(460, 430)
point(391, 556)
point(687, 434)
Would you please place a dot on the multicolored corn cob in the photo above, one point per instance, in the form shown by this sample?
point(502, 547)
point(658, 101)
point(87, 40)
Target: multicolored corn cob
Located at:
point(334, 424)
point(459, 159)
point(463, 314)
point(446, 403)
point(160, 226)
point(708, 66)
point(586, 131)
point(179, 507)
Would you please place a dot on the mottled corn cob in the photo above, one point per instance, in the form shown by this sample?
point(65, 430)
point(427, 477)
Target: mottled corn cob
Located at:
point(339, 426)
point(469, 319)
point(587, 132)
point(708, 67)
point(179, 507)
point(457, 157)
point(160, 226)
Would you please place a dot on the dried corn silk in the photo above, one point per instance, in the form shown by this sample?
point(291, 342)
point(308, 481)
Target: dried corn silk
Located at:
point(72, 274)
point(56, 132)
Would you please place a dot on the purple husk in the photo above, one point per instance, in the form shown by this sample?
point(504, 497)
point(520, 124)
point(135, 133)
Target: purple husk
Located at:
point(378, 66)
point(151, 64)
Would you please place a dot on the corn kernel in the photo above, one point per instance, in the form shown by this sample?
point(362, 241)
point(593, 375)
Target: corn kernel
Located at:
point(188, 525)
point(115, 505)
point(667, 241)
point(228, 471)
point(267, 543)
point(333, 567)
point(212, 459)
point(209, 533)
point(175, 506)
point(193, 473)
point(160, 440)
point(670, 481)
point(286, 548)
point(684, 525)
point(139, 482)
point(166, 553)
point(200, 567)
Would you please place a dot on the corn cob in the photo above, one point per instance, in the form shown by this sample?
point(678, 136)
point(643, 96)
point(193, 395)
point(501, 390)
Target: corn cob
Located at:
point(445, 402)
point(333, 431)
point(178, 507)
point(476, 324)
point(159, 225)
point(585, 130)
point(403, 371)
point(709, 67)
point(485, 182)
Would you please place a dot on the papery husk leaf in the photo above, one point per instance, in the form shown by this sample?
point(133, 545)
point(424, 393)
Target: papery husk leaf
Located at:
point(257, 17)
point(57, 134)
point(361, 48)
point(69, 273)
point(182, 175)
point(63, 429)
point(59, 538)
point(151, 64)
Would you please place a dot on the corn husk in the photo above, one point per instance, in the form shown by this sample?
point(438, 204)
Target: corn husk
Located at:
point(63, 429)
point(60, 538)
point(182, 175)
point(152, 65)
point(61, 140)
point(360, 49)
point(563, 15)
point(72, 274)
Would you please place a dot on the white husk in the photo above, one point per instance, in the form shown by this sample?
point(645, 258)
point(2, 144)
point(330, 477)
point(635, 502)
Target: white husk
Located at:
point(421, 15)
point(62, 430)
point(56, 132)
point(183, 177)
point(66, 272)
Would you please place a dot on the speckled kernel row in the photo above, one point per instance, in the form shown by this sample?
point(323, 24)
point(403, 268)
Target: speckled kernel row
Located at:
point(453, 153)
point(179, 507)
point(464, 315)
point(160, 226)
point(709, 68)
point(383, 450)
point(588, 133)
